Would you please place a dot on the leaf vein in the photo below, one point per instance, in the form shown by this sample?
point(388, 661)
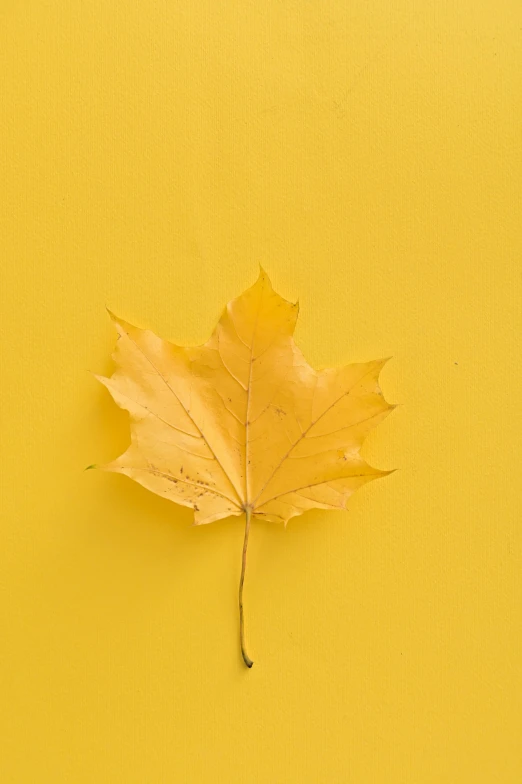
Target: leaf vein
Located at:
point(304, 433)
point(175, 479)
point(316, 484)
point(187, 412)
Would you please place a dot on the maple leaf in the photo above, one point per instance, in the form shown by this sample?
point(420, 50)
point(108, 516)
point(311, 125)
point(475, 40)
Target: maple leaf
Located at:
point(243, 424)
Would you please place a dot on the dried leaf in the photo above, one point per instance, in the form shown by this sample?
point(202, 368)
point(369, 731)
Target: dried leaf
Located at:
point(243, 424)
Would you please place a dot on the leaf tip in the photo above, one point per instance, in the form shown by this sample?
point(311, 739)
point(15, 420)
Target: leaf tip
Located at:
point(384, 361)
point(88, 468)
point(113, 317)
point(263, 276)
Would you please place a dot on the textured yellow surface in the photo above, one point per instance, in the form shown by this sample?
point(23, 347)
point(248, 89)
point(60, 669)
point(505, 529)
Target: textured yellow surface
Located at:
point(368, 155)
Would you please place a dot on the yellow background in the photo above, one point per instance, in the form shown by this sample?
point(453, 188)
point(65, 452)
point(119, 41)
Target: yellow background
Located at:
point(368, 154)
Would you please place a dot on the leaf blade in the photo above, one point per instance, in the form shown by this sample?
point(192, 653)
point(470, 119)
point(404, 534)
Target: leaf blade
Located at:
point(244, 421)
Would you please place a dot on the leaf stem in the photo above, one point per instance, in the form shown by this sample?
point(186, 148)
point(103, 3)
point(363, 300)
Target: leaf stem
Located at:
point(246, 658)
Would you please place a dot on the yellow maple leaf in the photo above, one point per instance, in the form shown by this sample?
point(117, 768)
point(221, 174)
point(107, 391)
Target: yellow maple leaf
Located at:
point(243, 424)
